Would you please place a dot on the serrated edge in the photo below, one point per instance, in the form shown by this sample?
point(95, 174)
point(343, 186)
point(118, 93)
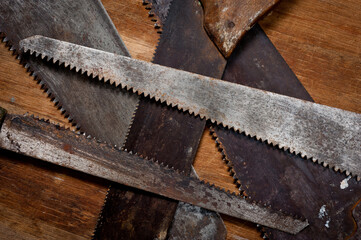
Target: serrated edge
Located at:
point(227, 161)
point(57, 103)
point(37, 77)
point(158, 24)
point(192, 113)
point(162, 24)
point(162, 166)
point(100, 215)
point(237, 181)
point(130, 125)
point(232, 173)
point(265, 234)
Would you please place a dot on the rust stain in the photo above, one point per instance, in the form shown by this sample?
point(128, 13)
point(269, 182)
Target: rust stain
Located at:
point(354, 220)
point(68, 148)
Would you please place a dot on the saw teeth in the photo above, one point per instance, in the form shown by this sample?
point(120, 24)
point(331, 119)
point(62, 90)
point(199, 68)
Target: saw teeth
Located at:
point(34, 74)
point(131, 124)
point(229, 164)
point(249, 134)
point(100, 214)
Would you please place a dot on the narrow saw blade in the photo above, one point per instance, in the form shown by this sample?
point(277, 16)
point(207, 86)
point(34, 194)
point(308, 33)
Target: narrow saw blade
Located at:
point(323, 133)
point(48, 142)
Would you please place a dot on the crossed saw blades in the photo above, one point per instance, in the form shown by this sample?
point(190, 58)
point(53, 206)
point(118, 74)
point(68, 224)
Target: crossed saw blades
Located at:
point(328, 135)
point(42, 140)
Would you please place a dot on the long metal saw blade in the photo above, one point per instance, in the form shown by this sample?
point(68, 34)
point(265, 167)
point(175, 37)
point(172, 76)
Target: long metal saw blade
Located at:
point(48, 142)
point(168, 135)
point(323, 133)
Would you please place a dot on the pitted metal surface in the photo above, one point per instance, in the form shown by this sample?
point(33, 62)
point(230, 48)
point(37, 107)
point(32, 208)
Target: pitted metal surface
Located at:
point(84, 22)
point(323, 133)
point(45, 141)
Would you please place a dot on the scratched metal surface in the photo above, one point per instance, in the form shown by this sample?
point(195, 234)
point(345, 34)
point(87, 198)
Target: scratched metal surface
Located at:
point(312, 130)
point(90, 105)
point(48, 142)
point(279, 178)
point(166, 134)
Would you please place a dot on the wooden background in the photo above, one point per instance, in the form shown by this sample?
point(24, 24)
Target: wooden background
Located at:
point(320, 40)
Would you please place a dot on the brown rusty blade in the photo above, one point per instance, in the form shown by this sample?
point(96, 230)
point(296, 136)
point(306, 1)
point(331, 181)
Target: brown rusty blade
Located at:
point(84, 22)
point(275, 177)
point(356, 214)
point(227, 21)
point(48, 142)
point(325, 134)
point(168, 135)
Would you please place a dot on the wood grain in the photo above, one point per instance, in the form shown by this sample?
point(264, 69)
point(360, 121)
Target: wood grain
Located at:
point(320, 40)
point(38, 199)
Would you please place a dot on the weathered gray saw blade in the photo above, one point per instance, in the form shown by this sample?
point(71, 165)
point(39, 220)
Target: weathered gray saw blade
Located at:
point(325, 134)
point(84, 22)
point(48, 142)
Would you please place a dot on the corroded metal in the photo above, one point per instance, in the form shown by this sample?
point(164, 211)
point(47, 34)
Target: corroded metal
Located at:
point(193, 222)
point(275, 177)
point(227, 21)
point(84, 22)
point(167, 135)
point(45, 141)
point(312, 130)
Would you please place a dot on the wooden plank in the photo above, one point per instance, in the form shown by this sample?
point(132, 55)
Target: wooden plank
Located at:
point(38, 199)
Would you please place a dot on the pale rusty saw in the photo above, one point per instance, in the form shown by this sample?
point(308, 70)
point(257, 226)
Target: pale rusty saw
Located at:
point(328, 135)
point(45, 141)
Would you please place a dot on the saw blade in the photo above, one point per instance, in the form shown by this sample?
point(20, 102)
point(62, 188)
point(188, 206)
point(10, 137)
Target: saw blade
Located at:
point(67, 20)
point(228, 21)
point(323, 133)
point(51, 143)
point(271, 176)
point(166, 134)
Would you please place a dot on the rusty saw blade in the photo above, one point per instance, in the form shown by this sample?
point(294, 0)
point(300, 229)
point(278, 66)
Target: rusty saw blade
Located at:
point(168, 135)
point(48, 142)
point(272, 176)
point(227, 21)
point(84, 22)
point(323, 133)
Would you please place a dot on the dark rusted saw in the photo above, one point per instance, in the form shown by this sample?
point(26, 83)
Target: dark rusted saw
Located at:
point(169, 136)
point(258, 64)
point(278, 178)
